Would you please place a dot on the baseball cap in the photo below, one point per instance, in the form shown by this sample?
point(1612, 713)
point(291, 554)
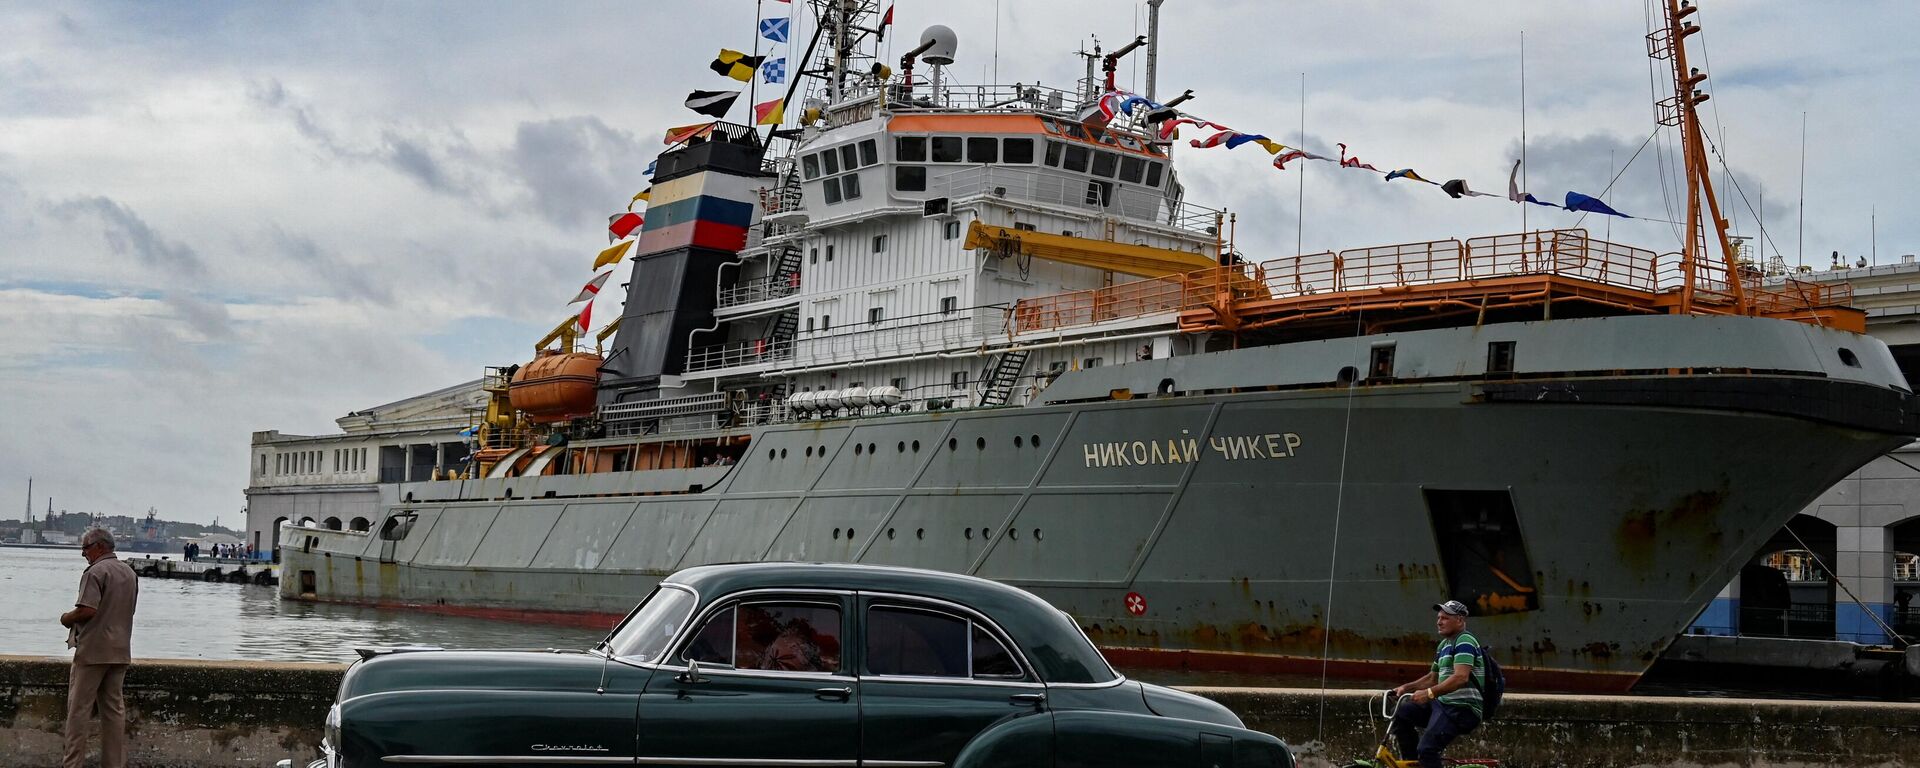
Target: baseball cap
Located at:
point(1451, 608)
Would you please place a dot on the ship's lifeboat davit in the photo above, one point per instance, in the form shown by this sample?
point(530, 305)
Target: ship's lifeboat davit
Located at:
point(556, 386)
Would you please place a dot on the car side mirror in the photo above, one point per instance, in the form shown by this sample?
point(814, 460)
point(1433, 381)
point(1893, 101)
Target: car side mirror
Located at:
point(692, 675)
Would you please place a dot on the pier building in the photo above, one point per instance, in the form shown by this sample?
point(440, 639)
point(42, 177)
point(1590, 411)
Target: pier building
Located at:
point(333, 480)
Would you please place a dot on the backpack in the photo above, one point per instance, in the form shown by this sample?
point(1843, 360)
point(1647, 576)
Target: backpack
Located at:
point(1493, 686)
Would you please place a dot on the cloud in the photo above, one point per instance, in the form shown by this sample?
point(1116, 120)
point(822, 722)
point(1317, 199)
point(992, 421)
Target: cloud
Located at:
point(572, 168)
point(126, 232)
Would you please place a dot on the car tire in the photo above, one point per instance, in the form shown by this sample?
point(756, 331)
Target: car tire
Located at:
point(211, 574)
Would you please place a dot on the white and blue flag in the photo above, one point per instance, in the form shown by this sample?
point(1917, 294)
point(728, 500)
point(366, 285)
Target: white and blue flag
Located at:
point(774, 71)
point(776, 29)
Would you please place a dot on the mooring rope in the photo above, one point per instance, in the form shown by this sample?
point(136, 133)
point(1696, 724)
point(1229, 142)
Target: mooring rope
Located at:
point(1333, 560)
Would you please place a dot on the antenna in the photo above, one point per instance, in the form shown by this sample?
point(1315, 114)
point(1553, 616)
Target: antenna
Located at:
point(1153, 47)
point(1524, 184)
point(1802, 236)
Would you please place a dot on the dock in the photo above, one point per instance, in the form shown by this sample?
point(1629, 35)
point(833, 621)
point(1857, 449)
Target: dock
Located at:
point(227, 569)
point(225, 713)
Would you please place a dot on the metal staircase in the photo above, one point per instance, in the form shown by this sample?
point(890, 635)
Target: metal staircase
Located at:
point(786, 270)
point(784, 328)
point(996, 382)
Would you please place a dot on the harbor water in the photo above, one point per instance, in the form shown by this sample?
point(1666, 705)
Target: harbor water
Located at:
point(187, 619)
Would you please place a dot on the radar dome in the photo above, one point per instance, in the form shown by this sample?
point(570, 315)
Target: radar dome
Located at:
point(944, 45)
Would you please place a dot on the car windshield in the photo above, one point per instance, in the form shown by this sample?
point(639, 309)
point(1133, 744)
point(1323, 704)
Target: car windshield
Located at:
point(645, 634)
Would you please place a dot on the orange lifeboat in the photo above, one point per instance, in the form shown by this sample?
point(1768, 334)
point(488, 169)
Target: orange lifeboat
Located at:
point(556, 386)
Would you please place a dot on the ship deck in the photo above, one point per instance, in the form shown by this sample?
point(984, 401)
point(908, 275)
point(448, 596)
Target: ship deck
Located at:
point(1529, 275)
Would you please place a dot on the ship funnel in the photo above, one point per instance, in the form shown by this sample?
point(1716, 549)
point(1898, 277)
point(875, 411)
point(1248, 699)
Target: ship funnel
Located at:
point(943, 44)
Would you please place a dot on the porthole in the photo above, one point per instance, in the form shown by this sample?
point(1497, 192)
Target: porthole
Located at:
point(1017, 441)
point(857, 448)
point(871, 448)
point(985, 534)
point(980, 443)
point(889, 534)
point(953, 443)
point(919, 533)
point(809, 451)
point(1847, 357)
point(1013, 533)
point(1036, 534)
point(916, 446)
point(1035, 439)
point(769, 454)
point(783, 453)
point(903, 446)
point(836, 533)
point(969, 533)
point(849, 534)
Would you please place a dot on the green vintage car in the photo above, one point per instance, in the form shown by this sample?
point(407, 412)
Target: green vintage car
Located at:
point(786, 664)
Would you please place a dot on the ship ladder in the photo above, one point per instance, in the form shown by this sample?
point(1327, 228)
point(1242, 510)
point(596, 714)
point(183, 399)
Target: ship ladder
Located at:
point(998, 380)
point(786, 271)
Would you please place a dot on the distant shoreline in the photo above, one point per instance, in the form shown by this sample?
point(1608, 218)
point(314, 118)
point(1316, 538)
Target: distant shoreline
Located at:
point(40, 546)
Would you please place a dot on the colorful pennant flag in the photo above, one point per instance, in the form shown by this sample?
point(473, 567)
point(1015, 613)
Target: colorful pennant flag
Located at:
point(1352, 162)
point(1215, 140)
point(712, 103)
point(1580, 202)
point(592, 287)
point(776, 29)
point(685, 132)
point(770, 112)
point(1245, 138)
point(623, 224)
point(645, 195)
point(1457, 188)
point(734, 64)
point(586, 314)
point(774, 71)
point(612, 255)
point(1405, 173)
point(651, 164)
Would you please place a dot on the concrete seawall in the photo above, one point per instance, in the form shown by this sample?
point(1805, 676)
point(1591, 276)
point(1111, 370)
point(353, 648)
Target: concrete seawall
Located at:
point(191, 714)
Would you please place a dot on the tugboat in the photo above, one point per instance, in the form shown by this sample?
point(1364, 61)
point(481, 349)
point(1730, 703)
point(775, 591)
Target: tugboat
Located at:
point(967, 328)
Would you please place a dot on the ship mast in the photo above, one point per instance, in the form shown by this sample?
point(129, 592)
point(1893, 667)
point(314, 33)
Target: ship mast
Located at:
point(1682, 110)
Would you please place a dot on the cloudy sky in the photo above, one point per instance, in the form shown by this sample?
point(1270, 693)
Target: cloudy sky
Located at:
point(217, 218)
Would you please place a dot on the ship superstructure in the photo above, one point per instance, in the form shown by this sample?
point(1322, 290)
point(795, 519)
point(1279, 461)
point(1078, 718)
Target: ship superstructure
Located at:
point(982, 329)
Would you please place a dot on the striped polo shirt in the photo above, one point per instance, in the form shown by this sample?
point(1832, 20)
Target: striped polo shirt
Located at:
point(1463, 648)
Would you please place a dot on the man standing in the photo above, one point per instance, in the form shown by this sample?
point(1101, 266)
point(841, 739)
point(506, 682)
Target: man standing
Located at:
point(100, 630)
point(1447, 700)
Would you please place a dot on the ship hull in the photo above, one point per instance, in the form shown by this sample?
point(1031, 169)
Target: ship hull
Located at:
point(1263, 532)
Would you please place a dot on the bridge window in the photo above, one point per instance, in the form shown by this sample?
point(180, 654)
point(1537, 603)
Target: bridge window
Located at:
point(830, 162)
point(1016, 151)
point(1153, 174)
point(910, 149)
point(1054, 149)
point(810, 166)
point(1104, 164)
point(910, 178)
point(1076, 159)
point(1132, 169)
point(946, 149)
point(869, 152)
point(831, 190)
point(849, 157)
point(850, 186)
point(983, 149)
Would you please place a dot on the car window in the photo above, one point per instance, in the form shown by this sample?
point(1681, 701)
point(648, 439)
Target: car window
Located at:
point(903, 641)
point(991, 660)
point(645, 634)
point(922, 642)
point(774, 635)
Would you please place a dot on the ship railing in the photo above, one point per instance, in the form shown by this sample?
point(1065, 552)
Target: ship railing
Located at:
point(1569, 253)
point(782, 197)
point(1136, 298)
point(908, 334)
point(759, 289)
point(955, 97)
point(738, 353)
point(1051, 187)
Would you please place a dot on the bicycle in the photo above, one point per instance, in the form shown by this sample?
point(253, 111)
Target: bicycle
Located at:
point(1384, 756)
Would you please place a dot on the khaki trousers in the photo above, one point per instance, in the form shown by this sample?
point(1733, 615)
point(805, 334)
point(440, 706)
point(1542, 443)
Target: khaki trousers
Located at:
point(98, 686)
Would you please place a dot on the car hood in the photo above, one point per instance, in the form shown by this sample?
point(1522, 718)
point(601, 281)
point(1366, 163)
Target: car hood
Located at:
point(1167, 702)
point(472, 670)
